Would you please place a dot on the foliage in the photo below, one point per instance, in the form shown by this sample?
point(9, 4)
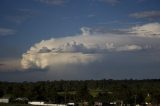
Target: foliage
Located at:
point(128, 91)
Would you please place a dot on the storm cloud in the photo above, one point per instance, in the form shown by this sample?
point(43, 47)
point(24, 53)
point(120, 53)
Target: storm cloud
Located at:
point(85, 48)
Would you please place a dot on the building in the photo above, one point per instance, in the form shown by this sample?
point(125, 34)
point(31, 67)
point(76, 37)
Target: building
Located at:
point(70, 104)
point(103, 104)
point(36, 103)
point(98, 104)
point(4, 100)
point(40, 103)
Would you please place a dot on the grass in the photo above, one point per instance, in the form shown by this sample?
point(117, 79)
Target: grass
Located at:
point(93, 92)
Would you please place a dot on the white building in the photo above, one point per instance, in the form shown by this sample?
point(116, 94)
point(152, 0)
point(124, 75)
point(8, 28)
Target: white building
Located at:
point(71, 104)
point(43, 104)
point(4, 100)
point(36, 103)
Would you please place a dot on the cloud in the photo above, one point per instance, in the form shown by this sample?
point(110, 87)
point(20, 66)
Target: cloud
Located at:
point(155, 14)
point(123, 48)
point(151, 30)
point(6, 31)
point(10, 65)
point(112, 2)
point(2, 64)
point(91, 15)
point(81, 49)
point(129, 48)
point(20, 15)
point(57, 53)
point(85, 31)
point(53, 2)
point(44, 50)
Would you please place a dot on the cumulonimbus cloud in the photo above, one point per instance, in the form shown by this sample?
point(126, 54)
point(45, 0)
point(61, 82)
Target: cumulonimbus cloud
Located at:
point(80, 49)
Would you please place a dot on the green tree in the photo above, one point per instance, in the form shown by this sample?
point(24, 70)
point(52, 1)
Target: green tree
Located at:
point(83, 93)
point(1, 92)
point(148, 98)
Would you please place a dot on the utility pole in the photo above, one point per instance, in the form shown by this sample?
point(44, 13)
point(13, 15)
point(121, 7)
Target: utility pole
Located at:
point(66, 93)
point(135, 99)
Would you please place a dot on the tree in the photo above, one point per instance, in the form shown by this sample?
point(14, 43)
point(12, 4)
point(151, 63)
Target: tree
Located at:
point(83, 93)
point(52, 95)
point(148, 98)
point(1, 92)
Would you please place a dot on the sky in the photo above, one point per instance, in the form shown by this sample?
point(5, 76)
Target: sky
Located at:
point(79, 39)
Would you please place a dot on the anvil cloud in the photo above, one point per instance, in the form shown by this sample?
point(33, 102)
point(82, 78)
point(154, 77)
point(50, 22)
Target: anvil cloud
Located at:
point(84, 48)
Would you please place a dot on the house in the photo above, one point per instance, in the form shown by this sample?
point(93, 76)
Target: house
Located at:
point(36, 103)
point(40, 103)
point(112, 103)
point(98, 104)
point(70, 104)
point(102, 104)
point(4, 100)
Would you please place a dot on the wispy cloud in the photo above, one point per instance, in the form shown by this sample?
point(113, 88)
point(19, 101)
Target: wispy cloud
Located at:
point(1, 64)
point(132, 47)
point(20, 15)
point(151, 15)
point(112, 2)
point(6, 31)
point(9, 65)
point(53, 2)
point(91, 16)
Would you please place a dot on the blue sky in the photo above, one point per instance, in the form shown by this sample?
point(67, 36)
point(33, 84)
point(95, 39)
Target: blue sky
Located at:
point(79, 39)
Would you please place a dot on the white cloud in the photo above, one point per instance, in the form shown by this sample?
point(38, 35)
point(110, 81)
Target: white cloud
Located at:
point(74, 50)
point(6, 31)
point(54, 60)
point(129, 48)
point(146, 14)
point(110, 45)
point(58, 52)
point(147, 30)
point(85, 31)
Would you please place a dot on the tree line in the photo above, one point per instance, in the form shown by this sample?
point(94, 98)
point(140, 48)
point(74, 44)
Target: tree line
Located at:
point(64, 91)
